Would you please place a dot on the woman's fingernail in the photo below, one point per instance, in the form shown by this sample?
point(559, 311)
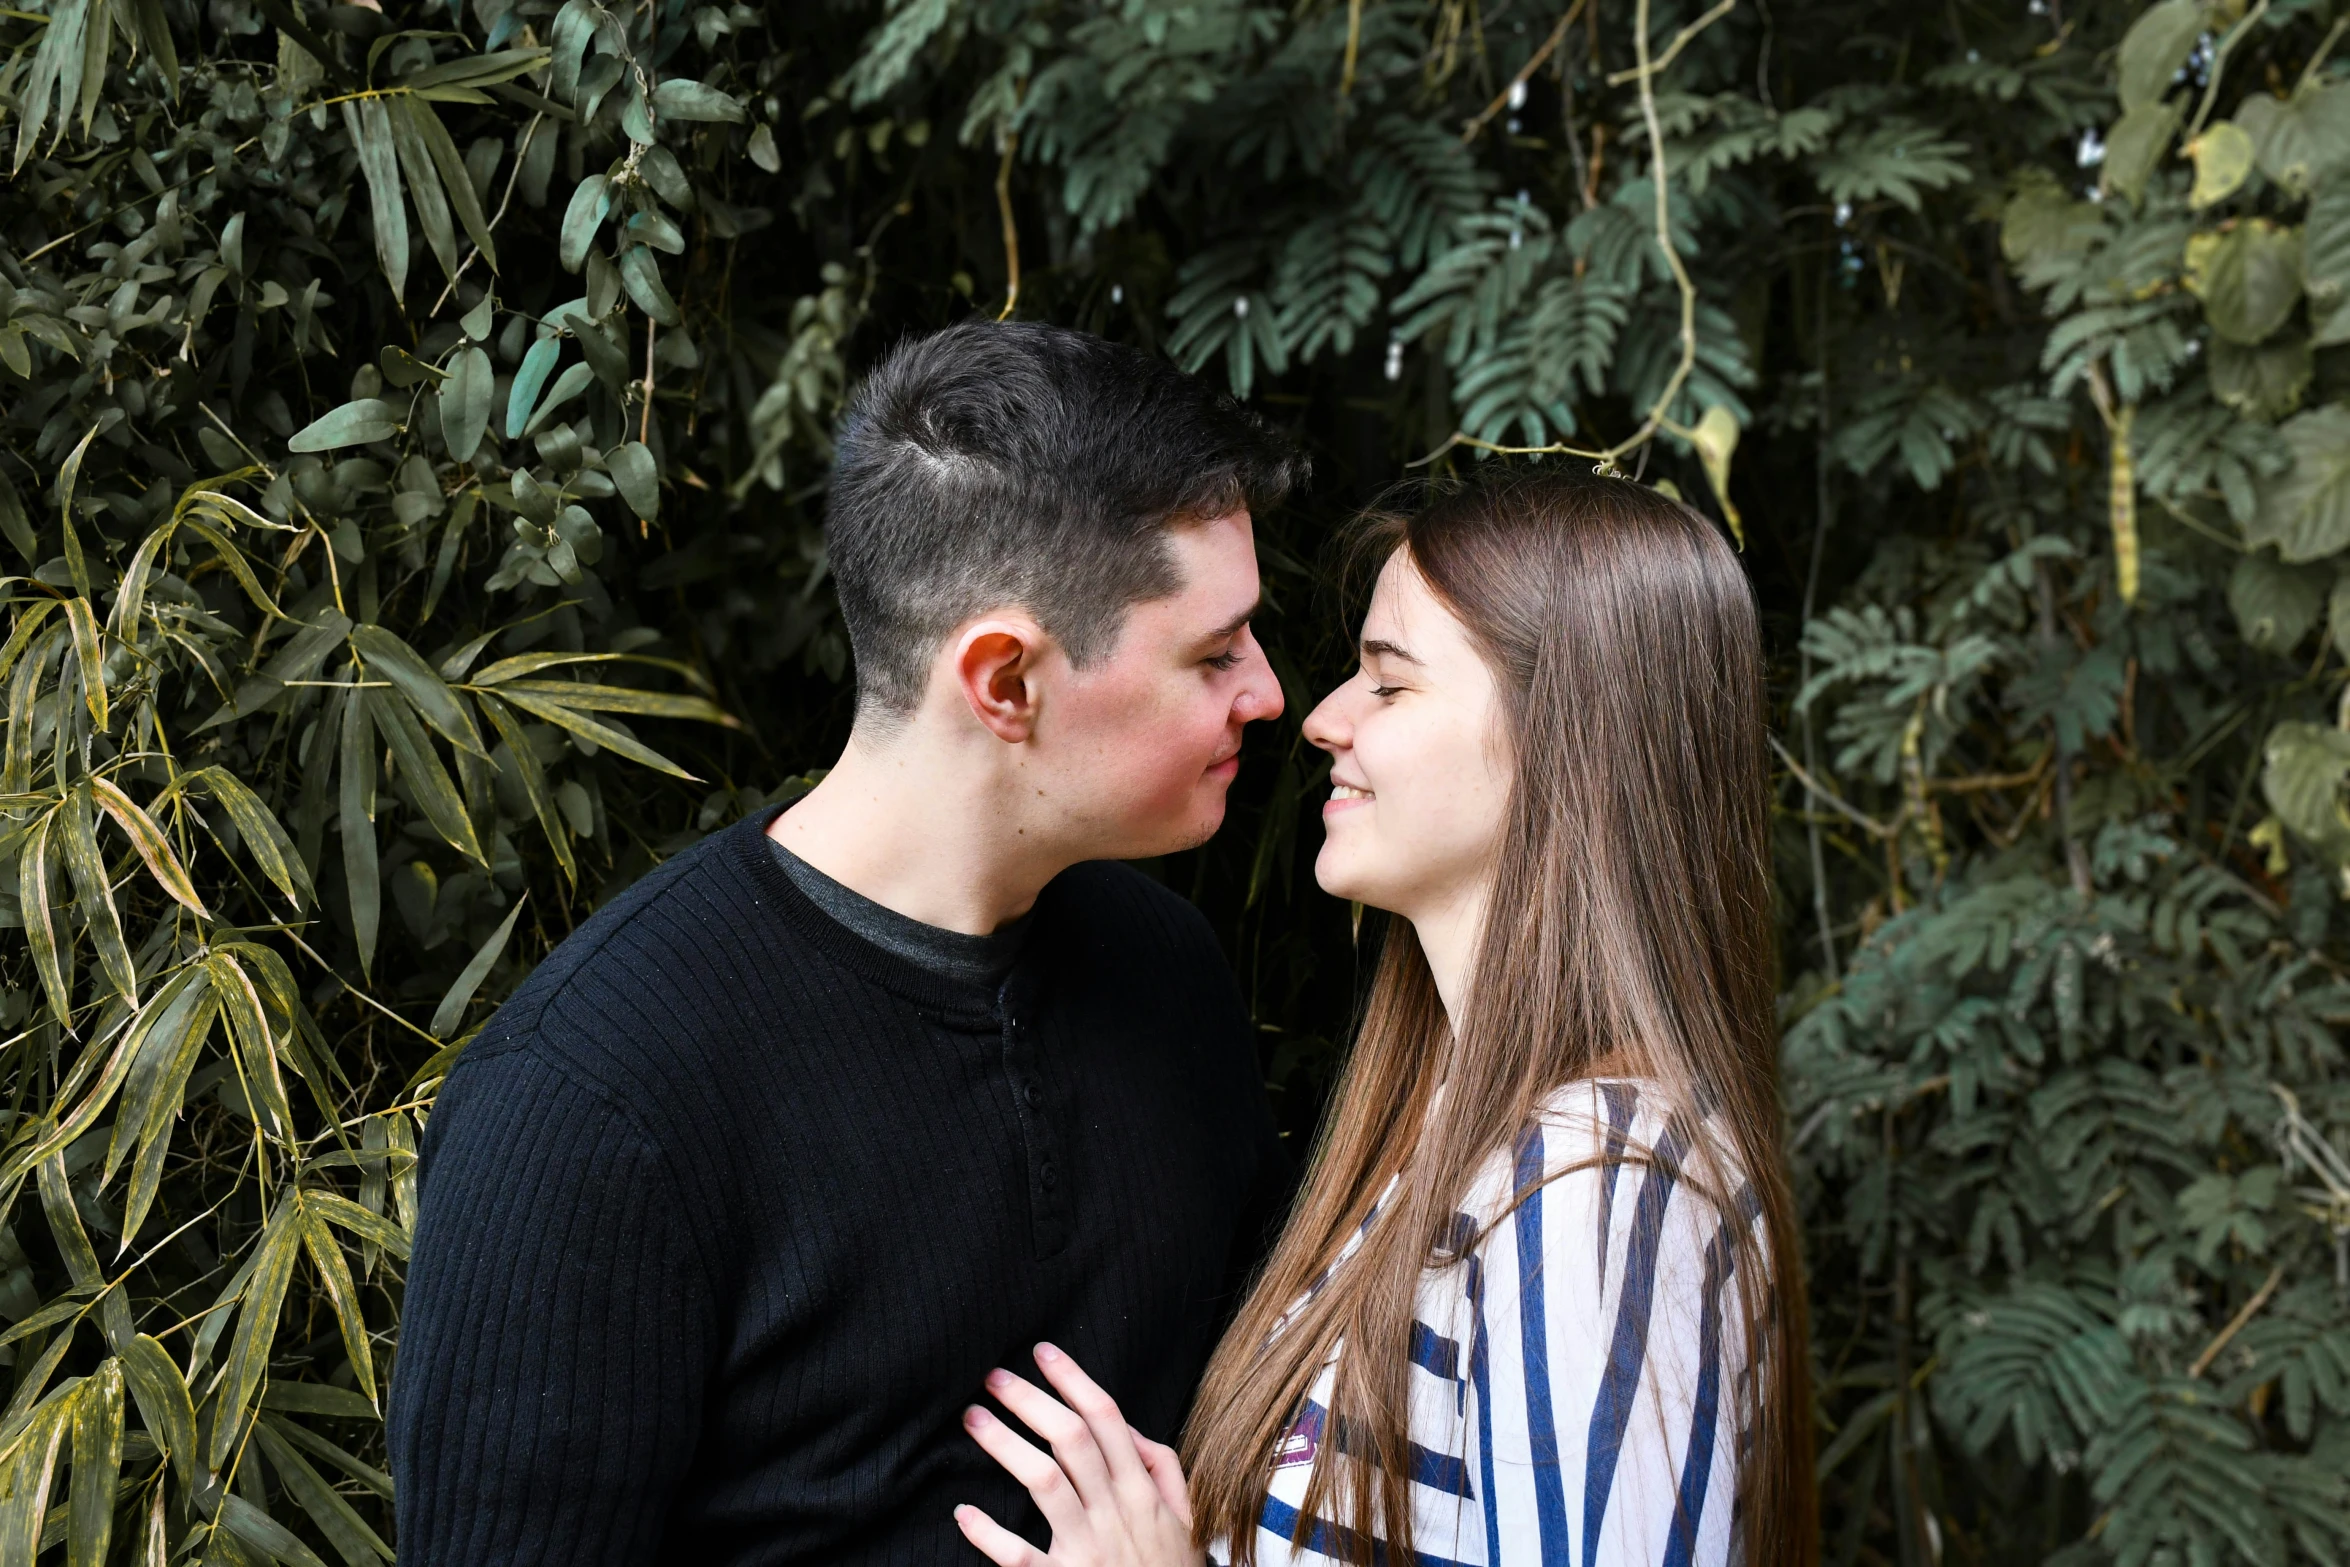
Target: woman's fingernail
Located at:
point(1047, 1352)
point(998, 1378)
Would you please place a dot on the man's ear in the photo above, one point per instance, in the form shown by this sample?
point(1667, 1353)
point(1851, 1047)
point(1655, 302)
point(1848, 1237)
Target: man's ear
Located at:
point(995, 665)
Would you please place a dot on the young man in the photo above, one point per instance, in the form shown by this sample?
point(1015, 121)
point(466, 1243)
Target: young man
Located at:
point(729, 1210)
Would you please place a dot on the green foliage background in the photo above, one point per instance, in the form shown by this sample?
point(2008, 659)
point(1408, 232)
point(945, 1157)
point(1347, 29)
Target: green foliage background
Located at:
point(413, 432)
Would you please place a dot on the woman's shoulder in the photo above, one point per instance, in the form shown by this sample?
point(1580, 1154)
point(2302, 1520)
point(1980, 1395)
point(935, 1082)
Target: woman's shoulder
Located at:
point(1603, 1139)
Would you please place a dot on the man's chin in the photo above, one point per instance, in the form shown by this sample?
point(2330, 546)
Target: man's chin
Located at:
point(1194, 829)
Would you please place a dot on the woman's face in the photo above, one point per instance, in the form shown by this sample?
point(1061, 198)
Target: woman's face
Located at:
point(1419, 760)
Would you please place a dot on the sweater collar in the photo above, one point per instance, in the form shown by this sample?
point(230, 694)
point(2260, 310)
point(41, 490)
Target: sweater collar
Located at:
point(956, 1003)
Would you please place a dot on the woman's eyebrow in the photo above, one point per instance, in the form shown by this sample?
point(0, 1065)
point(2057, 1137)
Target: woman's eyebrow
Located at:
point(1374, 647)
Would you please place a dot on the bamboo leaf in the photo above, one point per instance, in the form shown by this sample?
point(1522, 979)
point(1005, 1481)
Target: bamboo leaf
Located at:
point(336, 1518)
point(96, 897)
point(161, 1109)
point(621, 699)
point(148, 839)
point(165, 1408)
point(424, 181)
point(367, 1226)
point(263, 1298)
point(131, 597)
point(587, 728)
point(234, 559)
point(326, 1254)
point(151, 1039)
point(15, 524)
point(363, 884)
point(81, 1258)
point(31, 1471)
point(263, 836)
point(521, 664)
point(451, 1011)
point(64, 1309)
point(29, 619)
point(264, 1533)
point(40, 919)
point(90, 655)
point(420, 683)
point(97, 1466)
point(256, 1054)
point(371, 137)
point(311, 1442)
point(317, 1398)
point(69, 475)
point(428, 782)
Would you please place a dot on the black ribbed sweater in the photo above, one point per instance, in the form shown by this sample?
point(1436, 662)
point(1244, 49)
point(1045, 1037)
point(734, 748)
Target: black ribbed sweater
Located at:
point(727, 1212)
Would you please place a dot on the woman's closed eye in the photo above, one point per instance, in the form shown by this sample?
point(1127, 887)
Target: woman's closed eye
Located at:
point(1228, 659)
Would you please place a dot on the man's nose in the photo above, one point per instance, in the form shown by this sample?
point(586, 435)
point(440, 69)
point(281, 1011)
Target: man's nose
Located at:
point(1262, 698)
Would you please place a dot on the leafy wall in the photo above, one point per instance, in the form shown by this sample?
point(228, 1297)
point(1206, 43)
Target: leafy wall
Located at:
point(412, 436)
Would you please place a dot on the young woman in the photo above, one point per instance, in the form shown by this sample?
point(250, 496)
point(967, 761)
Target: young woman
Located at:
point(1540, 1299)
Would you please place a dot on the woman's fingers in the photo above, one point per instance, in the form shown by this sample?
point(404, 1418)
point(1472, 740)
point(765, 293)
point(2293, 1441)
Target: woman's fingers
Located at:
point(1160, 1462)
point(1071, 1436)
point(1112, 1436)
point(1055, 1498)
point(997, 1543)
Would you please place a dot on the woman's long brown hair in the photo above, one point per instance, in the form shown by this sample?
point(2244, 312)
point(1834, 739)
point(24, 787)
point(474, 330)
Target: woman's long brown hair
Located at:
point(1634, 864)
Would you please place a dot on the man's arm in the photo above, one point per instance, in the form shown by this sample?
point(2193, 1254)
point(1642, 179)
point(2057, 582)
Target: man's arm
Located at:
point(555, 1334)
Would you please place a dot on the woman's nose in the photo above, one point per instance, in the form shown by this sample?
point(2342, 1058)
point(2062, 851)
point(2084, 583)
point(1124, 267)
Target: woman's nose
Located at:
point(1326, 725)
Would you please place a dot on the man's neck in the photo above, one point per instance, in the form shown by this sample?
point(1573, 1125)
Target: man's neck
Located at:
point(938, 837)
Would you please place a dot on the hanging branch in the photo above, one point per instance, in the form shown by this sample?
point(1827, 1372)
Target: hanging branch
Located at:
point(1525, 74)
point(1010, 141)
point(1645, 73)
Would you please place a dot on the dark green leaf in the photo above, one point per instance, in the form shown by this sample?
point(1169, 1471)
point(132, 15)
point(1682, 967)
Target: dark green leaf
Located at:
point(640, 276)
point(523, 396)
point(356, 423)
point(451, 1011)
point(631, 467)
point(680, 99)
point(581, 219)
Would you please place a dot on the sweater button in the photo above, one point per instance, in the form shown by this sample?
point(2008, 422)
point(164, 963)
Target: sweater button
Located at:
point(1049, 1174)
point(1034, 1095)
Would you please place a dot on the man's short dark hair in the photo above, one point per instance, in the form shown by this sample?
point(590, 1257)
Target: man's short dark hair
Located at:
point(995, 464)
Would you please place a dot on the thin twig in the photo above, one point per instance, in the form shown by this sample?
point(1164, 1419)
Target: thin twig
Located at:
point(1354, 44)
point(1526, 72)
point(1673, 50)
point(2276, 1276)
point(1003, 203)
point(2219, 61)
point(1851, 813)
point(521, 151)
point(2325, 47)
point(644, 427)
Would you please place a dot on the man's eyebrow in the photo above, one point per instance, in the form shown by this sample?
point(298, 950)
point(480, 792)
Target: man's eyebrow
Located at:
point(1373, 647)
point(1231, 628)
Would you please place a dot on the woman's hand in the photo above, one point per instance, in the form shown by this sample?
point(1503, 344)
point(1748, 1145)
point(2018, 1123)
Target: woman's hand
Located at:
point(1115, 1498)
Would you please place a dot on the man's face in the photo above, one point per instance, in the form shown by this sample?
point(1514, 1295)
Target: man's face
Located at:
point(1144, 742)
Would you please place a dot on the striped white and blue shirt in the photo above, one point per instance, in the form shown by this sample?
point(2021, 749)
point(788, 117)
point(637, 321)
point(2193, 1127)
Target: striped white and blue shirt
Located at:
point(1576, 1374)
